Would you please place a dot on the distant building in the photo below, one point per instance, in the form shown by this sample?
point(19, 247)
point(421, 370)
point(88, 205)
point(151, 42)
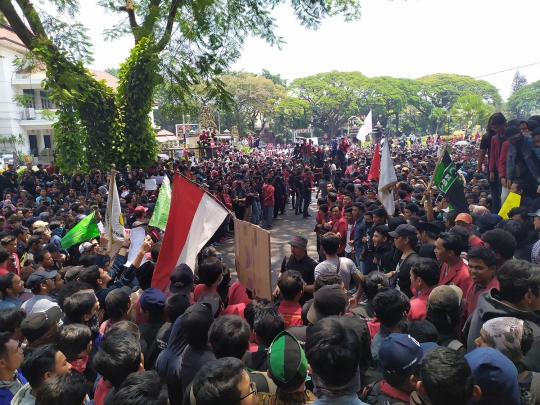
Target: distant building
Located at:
point(29, 119)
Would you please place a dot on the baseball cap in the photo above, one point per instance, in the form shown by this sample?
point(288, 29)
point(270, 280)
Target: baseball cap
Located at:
point(51, 248)
point(467, 218)
point(211, 302)
point(287, 362)
point(197, 317)
point(39, 277)
point(511, 133)
point(140, 210)
point(181, 279)
point(328, 300)
point(153, 300)
point(37, 324)
point(428, 227)
point(116, 301)
point(85, 247)
point(496, 376)
point(445, 296)
point(535, 214)
point(404, 230)
point(400, 354)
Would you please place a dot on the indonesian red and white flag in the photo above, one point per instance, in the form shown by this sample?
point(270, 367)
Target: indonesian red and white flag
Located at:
point(194, 217)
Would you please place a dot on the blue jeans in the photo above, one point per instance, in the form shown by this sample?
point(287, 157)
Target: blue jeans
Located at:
point(256, 212)
point(269, 214)
point(299, 206)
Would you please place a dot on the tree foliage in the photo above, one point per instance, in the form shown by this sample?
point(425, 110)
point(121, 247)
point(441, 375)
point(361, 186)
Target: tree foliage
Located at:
point(471, 110)
point(525, 101)
point(518, 82)
point(191, 42)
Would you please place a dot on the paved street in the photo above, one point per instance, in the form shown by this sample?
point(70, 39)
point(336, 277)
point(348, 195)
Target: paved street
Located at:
point(283, 229)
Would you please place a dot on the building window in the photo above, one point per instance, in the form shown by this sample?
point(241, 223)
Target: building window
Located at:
point(30, 98)
point(45, 102)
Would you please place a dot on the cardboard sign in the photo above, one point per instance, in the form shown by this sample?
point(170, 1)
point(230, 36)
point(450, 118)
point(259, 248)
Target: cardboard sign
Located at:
point(150, 184)
point(253, 264)
point(512, 201)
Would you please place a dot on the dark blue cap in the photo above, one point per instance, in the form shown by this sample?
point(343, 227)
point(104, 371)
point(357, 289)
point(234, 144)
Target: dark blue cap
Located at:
point(153, 300)
point(400, 354)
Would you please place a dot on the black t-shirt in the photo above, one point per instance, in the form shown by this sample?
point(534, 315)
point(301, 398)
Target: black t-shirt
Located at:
point(306, 267)
point(485, 141)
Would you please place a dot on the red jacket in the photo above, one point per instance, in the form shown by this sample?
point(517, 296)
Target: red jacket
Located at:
point(268, 195)
point(501, 164)
point(474, 293)
point(418, 305)
point(495, 153)
point(457, 275)
point(340, 226)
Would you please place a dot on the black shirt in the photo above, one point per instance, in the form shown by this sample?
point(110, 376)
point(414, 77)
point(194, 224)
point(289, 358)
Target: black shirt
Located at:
point(306, 267)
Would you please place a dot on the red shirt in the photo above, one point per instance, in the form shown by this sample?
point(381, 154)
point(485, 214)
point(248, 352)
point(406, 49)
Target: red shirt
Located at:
point(292, 313)
point(475, 241)
point(456, 275)
point(200, 289)
point(392, 392)
point(474, 293)
point(418, 305)
point(101, 392)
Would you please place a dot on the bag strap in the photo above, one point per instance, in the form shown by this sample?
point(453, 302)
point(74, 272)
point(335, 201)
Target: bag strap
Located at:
point(338, 265)
point(455, 345)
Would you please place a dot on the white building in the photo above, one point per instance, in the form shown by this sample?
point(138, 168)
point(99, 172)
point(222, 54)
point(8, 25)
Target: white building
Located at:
point(30, 119)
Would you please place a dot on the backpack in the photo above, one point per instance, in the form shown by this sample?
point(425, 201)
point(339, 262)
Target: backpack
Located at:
point(372, 395)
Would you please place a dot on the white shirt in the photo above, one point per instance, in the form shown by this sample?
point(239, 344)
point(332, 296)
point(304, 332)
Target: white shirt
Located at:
point(346, 269)
point(348, 248)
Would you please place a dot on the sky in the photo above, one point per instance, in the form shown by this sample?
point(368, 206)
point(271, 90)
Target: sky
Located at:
point(396, 38)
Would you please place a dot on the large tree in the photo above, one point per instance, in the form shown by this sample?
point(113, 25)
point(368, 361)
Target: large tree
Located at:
point(200, 39)
point(333, 97)
point(471, 110)
point(525, 101)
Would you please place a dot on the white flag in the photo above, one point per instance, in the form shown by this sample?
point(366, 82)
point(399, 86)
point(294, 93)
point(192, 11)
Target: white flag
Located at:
point(114, 222)
point(366, 128)
point(387, 180)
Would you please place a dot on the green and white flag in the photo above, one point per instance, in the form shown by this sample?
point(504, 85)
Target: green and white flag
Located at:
point(446, 178)
point(163, 204)
point(84, 230)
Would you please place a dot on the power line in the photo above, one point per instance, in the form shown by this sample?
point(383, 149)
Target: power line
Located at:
point(507, 70)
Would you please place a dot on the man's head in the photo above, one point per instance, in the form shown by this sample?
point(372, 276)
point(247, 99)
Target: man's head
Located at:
point(464, 220)
point(118, 356)
point(42, 282)
point(229, 336)
point(224, 381)
point(411, 210)
point(44, 258)
point(500, 242)
point(76, 341)
point(446, 378)
point(391, 307)
point(43, 363)
point(519, 284)
point(142, 388)
point(152, 302)
point(11, 355)
point(482, 265)
point(11, 285)
point(424, 274)
point(448, 247)
point(298, 246)
point(287, 363)
point(63, 389)
point(196, 323)
point(95, 276)
point(333, 351)
point(291, 285)
point(328, 300)
point(330, 243)
point(81, 307)
point(536, 216)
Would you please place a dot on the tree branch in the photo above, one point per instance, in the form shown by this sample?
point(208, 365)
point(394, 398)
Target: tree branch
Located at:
point(168, 29)
point(16, 23)
point(33, 18)
point(129, 8)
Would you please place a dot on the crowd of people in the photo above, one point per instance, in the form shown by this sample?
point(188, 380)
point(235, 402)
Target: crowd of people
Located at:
point(422, 305)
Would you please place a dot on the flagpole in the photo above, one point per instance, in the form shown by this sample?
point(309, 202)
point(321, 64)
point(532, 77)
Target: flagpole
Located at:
point(430, 184)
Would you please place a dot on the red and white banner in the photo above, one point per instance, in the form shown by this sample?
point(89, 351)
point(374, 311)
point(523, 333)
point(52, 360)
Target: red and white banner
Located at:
point(194, 217)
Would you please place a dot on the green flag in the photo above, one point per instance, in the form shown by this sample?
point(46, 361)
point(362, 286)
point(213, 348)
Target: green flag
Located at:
point(84, 230)
point(447, 180)
point(163, 204)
